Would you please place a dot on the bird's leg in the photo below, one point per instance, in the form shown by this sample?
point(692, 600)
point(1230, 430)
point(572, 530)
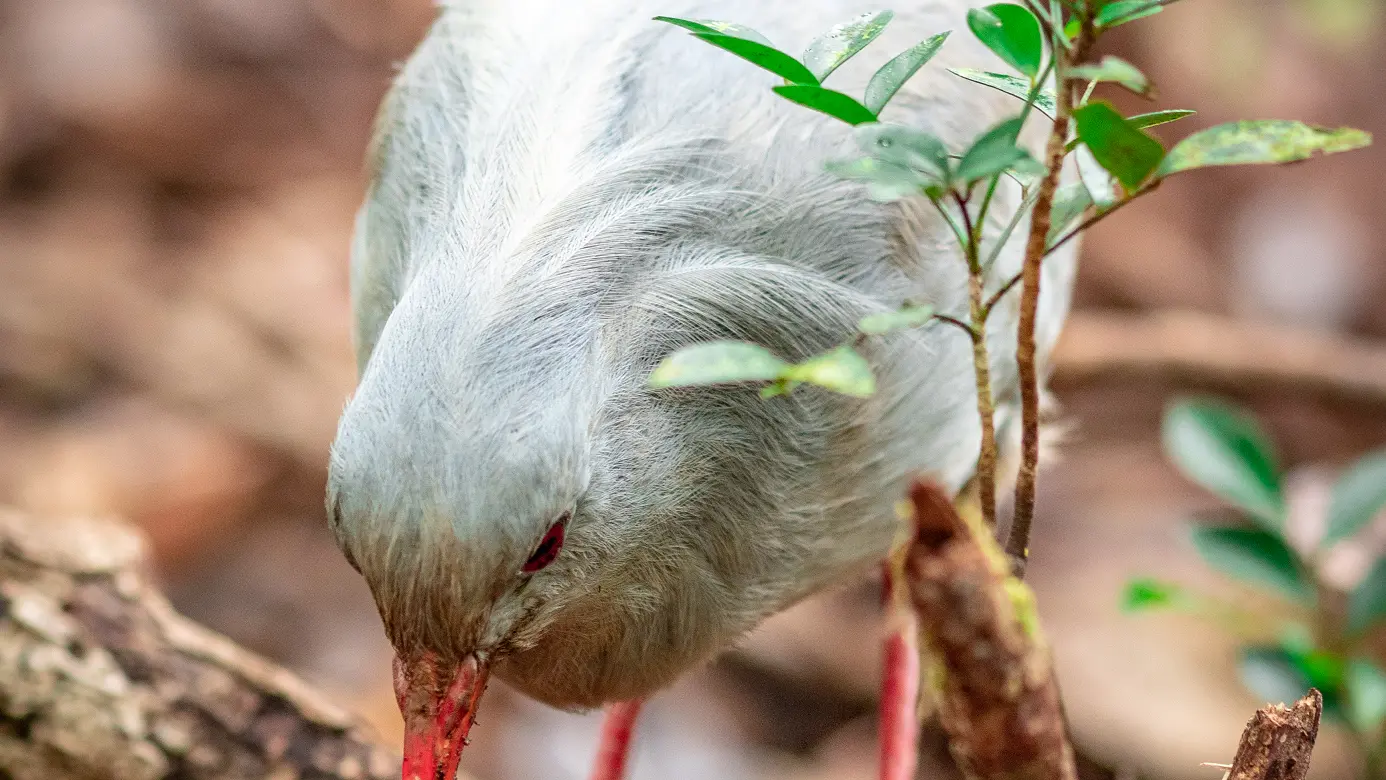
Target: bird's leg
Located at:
point(899, 724)
point(613, 751)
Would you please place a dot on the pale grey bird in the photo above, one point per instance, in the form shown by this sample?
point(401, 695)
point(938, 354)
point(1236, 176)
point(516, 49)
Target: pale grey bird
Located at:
point(562, 194)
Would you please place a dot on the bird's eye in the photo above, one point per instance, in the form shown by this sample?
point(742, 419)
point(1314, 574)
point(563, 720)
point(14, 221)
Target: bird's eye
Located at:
point(548, 547)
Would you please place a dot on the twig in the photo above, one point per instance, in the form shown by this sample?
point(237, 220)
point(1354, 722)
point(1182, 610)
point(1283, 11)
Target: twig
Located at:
point(981, 367)
point(1098, 217)
point(1278, 741)
point(997, 696)
point(1210, 349)
point(101, 678)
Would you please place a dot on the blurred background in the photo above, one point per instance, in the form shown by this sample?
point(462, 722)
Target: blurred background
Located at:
point(177, 183)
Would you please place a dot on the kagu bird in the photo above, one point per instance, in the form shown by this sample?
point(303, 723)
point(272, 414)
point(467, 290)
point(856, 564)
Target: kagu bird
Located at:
point(562, 194)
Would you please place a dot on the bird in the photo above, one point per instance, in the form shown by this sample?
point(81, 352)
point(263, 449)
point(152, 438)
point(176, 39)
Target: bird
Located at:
point(560, 196)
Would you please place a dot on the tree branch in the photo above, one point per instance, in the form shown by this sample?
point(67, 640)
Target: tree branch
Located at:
point(100, 678)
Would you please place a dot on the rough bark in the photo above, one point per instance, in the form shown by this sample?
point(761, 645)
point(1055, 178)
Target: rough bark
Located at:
point(1278, 741)
point(993, 678)
point(100, 678)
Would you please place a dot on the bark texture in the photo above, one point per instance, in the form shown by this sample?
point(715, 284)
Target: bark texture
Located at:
point(100, 678)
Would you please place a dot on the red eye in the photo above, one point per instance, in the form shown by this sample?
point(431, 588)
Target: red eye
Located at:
point(548, 548)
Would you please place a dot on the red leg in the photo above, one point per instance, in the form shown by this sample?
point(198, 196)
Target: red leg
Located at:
point(614, 750)
point(899, 691)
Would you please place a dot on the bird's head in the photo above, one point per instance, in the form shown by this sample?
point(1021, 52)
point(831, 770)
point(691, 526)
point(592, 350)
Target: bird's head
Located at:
point(462, 516)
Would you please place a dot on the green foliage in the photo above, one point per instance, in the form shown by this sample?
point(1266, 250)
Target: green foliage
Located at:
point(908, 316)
point(893, 75)
point(1358, 496)
point(1155, 118)
point(1070, 202)
point(841, 370)
point(1146, 593)
point(1259, 142)
point(906, 146)
point(1012, 32)
point(1123, 149)
point(1101, 187)
point(1044, 99)
point(1272, 674)
point(763, 56)
point(1123, 11)
point(716, 28)
point(834, 47)
point(885, 181)
point(1116, 70)
point(1365, 686)
point(717, 362)
point(1254, 556)
point(831, 102)
point(1225, 451)
point(1367, 601)
point(993, 152)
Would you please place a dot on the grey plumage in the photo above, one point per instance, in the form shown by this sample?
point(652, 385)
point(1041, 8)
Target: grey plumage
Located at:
point(563, 193)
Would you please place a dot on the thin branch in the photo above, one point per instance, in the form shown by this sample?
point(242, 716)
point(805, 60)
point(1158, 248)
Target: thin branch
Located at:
point(972, 335)
point(1001, 293)
point(1099, 216)
point(981, 367)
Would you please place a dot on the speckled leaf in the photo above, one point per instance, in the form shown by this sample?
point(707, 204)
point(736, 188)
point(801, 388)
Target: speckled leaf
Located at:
point(1069, 204)
point(1123, 11)
point(906, 146)
point(885, 181)
point(1125, 150)
point(1259, 141)
point(993, 152)
point(762, 55)
point(1116, 70)
point(717, 362)
point(842, 370)
point(1011, 85)
point(907, 316)
point(892, 76)
point(716, 28)
point(834, 47)
point(1012, 32)
point(1254, 556)
point(827, 101)
point(1156, 118)
point(1225, 451)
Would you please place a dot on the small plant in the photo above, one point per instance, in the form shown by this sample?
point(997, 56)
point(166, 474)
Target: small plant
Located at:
point(1047, 44)
point(1324, 642)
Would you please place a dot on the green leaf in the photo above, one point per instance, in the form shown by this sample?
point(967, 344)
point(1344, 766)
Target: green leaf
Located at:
point(1155, 118)
point(1367, 601)
point(1122, 148)
point(892, 76)
point(1101, 187)
point(1358, 496)
point(834, 47)
point(1123, 11)
point(993, 152)
point(716, 28)
point(842, 370)
point(1116, 70)
point(1016, 87)
point(762, 55)
point(1255, 556)
point(907, 316)
point(1146, 593)
point(905, 146)
point(827, 101)
point(885, 181)
point(1069, 204)
point(717, 362)
point(1225, 451)
point(1272, 674)
point(1253, 142)
point(1012, 32)
point(1366, 694)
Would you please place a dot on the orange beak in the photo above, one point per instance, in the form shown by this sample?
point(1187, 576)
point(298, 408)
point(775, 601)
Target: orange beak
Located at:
point(439, 706)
